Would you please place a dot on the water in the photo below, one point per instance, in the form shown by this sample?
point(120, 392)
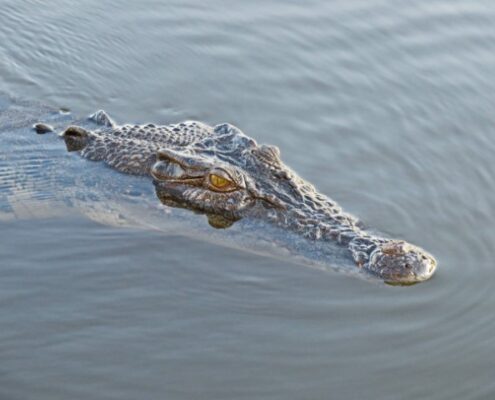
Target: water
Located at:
point(386, 106)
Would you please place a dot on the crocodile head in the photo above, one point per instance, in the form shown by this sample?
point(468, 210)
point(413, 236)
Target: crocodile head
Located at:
point(226, 174)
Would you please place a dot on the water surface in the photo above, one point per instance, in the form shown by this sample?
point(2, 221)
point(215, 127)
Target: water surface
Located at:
point(386, 106)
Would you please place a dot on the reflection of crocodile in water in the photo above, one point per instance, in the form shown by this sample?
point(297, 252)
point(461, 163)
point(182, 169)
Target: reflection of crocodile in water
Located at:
point(225, 174)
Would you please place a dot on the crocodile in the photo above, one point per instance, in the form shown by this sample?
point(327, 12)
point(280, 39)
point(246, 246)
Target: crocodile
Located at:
point(223, 173)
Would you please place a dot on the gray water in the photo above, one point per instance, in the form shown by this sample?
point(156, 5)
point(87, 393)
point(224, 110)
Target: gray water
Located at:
point(386, 106)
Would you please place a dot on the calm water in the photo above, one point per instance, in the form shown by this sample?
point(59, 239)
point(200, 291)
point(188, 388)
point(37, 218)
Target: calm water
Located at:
point(386, 106)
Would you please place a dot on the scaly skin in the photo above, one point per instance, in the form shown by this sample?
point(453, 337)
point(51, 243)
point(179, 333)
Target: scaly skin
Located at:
point(224, 173)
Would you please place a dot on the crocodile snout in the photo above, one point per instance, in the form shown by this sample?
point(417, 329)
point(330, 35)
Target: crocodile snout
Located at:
point(398, 262)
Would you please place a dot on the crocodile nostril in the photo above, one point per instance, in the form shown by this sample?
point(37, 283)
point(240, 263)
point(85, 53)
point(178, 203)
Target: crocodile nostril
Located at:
point(432, 268)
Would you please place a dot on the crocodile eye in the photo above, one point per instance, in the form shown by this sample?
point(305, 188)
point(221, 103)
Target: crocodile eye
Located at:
point(219, 181)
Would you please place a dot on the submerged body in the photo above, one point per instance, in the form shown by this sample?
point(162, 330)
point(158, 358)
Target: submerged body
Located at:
point(225, 174)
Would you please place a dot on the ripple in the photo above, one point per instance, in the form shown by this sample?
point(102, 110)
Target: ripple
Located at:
point(386, 106)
